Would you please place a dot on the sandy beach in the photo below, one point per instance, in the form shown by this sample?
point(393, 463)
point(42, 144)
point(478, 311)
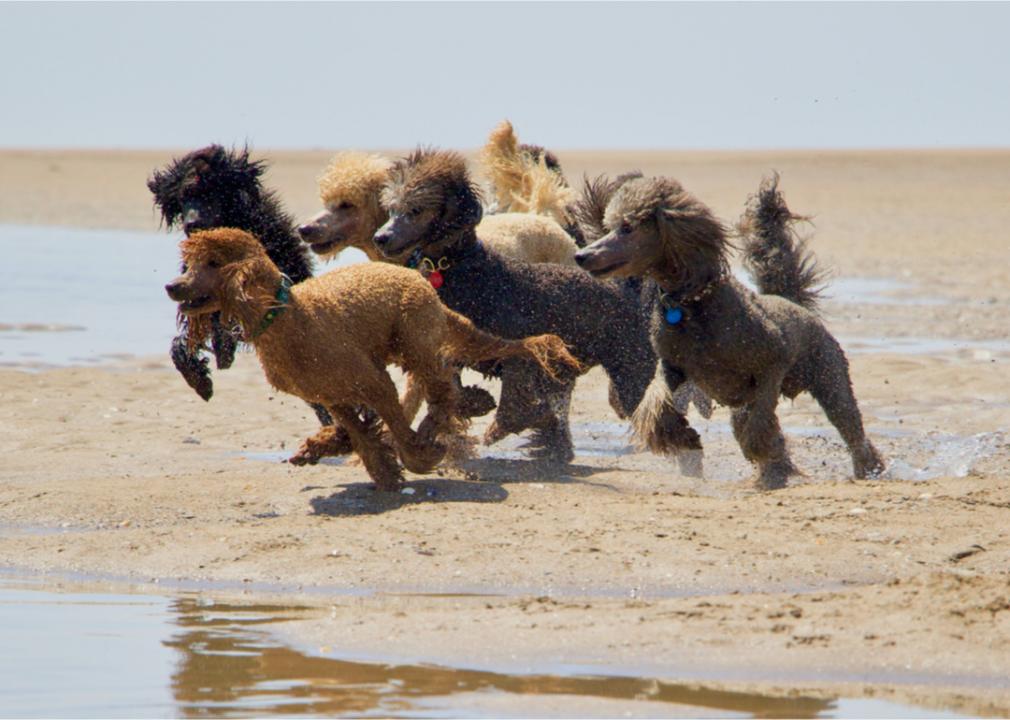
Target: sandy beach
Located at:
point(895, 588)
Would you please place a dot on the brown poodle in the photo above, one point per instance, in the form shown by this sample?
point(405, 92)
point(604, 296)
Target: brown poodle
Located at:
point(742, 348)
point(329, 339)
point(434, 210)
point(350, 188)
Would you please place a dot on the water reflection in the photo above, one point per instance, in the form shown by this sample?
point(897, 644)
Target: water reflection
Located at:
point(228, 668)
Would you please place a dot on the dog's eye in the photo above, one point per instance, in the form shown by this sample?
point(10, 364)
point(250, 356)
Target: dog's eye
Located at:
point(344, 206)
point(625, 229)
point(414, 212)
point(214, 264)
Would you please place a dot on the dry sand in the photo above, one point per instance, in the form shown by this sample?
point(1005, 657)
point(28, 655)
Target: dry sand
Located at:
point(897, 588)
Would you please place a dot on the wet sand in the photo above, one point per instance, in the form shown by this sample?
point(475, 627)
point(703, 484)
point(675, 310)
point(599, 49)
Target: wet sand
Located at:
point(896, 588)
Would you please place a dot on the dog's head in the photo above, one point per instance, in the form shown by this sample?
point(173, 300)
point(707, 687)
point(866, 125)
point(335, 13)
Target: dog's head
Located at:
point(653, 226)
point(222, 268)
point(431, 202)
point(209, 187)
point(349, 190)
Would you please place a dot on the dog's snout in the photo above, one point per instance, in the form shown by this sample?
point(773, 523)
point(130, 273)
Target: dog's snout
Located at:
point(173, 288)
point(382, 238)
point(307, 231)
point(580, 257)
point(191, 221)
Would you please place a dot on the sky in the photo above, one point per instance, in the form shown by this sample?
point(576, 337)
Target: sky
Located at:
point(573, 75)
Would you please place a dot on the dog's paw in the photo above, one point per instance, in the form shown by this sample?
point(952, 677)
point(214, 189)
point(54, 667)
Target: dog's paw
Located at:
point(193, 368)
point(867, 463)
point(691, 463)
point(331, 441)
point(475, 401)
point(671, 435)
point(775, 474)
point(494, 433)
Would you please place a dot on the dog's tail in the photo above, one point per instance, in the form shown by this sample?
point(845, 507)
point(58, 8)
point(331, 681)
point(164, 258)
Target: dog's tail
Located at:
point(778, 260)
point(522, 180)
point(468, 344)
point(592, 206)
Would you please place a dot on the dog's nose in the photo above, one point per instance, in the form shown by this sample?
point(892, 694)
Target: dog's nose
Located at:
point(381, 239)
point(173, 288)
point(306, 231)
point(191, 221)
point(580, 257)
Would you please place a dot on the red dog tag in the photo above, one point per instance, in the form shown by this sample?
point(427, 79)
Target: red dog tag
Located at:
point(436, 279)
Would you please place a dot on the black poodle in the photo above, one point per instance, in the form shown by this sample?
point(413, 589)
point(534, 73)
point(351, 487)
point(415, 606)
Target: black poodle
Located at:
point(214, 187)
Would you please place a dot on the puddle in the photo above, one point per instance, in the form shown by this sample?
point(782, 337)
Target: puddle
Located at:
point(869, 291)
point(591, 439)
point(73, 296)
point(77, 654)
point(912, 455)
point(981, 350)
point(879, 291)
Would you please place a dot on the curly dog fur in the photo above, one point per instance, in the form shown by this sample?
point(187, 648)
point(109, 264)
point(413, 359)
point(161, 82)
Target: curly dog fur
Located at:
point(215, 187)
point(589, 212)
point(743, 349)
point(350, 188)
point(328, 340)
point(529, 179)
point(434, 210)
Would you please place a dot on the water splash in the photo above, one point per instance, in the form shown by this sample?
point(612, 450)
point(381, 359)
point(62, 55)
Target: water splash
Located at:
point(955, 456)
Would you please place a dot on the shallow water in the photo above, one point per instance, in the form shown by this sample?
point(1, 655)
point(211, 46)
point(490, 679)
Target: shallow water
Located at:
point(92, 295)
point(70, 296)
point(981, 350)
point(85, 654)
point(869, 291)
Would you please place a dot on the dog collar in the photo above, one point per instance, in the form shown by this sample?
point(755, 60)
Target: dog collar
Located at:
point(282, 296)
point(431, 269)
point(673, 303)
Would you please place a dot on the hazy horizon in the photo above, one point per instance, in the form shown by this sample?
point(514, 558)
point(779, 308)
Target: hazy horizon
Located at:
point(572, 76)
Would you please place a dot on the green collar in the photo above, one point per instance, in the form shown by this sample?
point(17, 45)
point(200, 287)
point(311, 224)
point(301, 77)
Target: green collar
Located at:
point(282, 297)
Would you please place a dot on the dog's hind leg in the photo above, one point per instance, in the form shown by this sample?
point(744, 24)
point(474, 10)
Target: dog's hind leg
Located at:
point(418, 455)
point(378, 457)
point(831, 386)
point(330, 441)
point(757, 430)
point(553, 438)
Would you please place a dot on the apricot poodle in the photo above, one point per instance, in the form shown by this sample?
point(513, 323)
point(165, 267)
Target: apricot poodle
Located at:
point(350, 188)
point(329, 339)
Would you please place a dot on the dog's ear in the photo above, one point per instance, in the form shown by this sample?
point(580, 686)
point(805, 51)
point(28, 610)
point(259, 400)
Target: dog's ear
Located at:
point(198, 329)
point(463, 208)
point(249, 279)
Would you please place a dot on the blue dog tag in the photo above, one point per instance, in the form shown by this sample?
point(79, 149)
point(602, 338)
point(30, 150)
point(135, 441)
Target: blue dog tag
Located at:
point(674, 315)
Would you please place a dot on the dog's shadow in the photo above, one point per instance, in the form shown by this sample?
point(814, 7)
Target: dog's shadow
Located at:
point(503, 471)
point(364, 499)
point(485, 483)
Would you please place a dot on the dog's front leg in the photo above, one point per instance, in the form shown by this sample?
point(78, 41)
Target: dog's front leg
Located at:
point(662, 428)
point(756, 428)
point(192, 367)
